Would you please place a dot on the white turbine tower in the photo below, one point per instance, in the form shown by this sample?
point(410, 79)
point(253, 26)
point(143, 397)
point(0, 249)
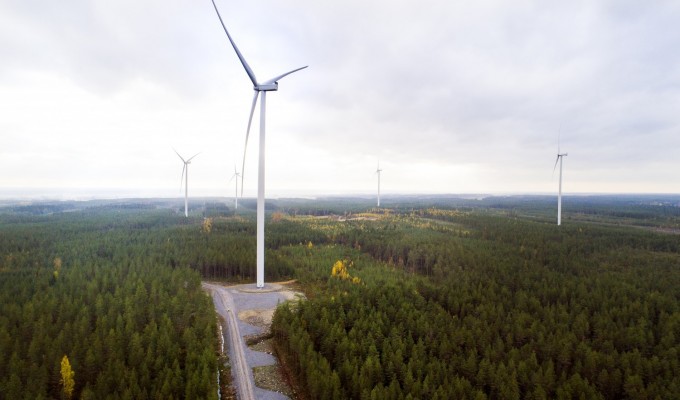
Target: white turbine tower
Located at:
point(235, 179)
point(185, 177)
point(559, 193)
point(259, 87)
point(378, 171)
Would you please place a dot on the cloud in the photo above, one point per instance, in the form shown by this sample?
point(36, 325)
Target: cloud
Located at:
point(472, 94)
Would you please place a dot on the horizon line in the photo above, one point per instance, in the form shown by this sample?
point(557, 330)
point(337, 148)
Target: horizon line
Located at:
point(70, 196)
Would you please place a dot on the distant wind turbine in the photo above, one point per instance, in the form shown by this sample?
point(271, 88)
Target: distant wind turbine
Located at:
point(235, 179)
point(559, 193)
point(259, 87)
point(378, 171)
point(185, 177)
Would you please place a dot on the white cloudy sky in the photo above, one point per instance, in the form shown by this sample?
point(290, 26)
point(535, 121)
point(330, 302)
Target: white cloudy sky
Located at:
point(451, 96)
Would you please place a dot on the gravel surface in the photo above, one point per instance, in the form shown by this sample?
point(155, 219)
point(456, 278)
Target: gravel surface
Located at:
point(258, 358)
point(264, 394)
point(248, 298)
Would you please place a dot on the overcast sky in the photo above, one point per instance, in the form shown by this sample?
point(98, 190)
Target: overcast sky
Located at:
point(450, 96)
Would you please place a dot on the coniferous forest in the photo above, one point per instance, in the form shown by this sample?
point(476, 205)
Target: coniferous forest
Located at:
point(93, 286)
point(424, 299)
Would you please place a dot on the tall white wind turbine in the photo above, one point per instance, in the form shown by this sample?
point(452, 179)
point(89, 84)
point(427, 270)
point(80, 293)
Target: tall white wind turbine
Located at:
point(259, 87)
point(559, 193)
point(185, 178)
point(235, 179)
point(378, 171)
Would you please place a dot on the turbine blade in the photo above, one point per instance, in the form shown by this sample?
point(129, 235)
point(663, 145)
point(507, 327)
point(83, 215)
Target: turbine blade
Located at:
point(556, 161)
point(180, 157)
point(194, 156)
point(273, 80)
point(249, 71)
point(250, 121)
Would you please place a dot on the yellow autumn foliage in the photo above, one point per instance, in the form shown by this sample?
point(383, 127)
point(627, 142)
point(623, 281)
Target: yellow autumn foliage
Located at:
point(340, 270)
point(67, 374)
point(277, 216)
point(207, 225)
point(57, 267)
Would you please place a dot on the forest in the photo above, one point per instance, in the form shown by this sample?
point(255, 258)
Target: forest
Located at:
point(92, 287)
point(458, 305)
point(423, 299)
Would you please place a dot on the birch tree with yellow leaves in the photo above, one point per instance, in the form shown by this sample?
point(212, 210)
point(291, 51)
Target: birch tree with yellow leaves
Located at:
point(67, 375)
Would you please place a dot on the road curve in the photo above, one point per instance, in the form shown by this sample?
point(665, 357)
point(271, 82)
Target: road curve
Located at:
point(243, 377)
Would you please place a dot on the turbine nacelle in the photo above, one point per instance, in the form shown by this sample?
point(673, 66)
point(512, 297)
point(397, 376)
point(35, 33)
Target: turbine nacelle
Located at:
point(267, 87)
point(557, 160)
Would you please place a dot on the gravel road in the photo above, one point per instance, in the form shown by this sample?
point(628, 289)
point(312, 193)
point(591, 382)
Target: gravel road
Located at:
point(229, 302)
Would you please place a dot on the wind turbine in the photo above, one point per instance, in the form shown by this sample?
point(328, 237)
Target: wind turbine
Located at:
point(236, 176)
point(559, 193)
point(185, 176)
point(378, 171)
point(259, 87)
